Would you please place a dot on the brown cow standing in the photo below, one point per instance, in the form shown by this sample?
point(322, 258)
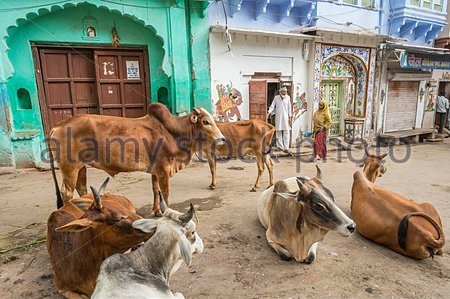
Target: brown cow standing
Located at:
point(409, 228)
point(243, 138)
point(157, 143)
point(79, 240)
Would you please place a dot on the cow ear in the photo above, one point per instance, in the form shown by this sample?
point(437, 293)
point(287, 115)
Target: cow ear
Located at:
point(185, 249)
point(288, 195)
point(76, 226)
point(146, 225)
point(194, 119)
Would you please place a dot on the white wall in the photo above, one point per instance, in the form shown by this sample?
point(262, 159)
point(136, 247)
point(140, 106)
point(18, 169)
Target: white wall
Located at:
point(255, 53)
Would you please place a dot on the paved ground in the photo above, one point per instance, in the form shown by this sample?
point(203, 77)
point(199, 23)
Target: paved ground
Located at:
point(237, 261)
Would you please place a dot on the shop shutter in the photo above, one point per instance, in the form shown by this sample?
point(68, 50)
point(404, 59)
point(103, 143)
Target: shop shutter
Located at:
point(401, 106)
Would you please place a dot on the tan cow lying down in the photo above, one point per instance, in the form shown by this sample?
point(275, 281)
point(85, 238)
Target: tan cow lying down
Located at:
point(157, 143)
point(409, 228)
point(79, 240)
point(297, 213)
point(246, 137)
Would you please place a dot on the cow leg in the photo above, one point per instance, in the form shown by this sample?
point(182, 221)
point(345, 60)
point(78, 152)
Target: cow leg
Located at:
point(73, 295)
point(260, 165)
point(155, 187)
point(312, 253)
point(164, 185)
point(283, 253)
point(82, 181)
point(269, 163)
point(212, 167)
point(68, 185)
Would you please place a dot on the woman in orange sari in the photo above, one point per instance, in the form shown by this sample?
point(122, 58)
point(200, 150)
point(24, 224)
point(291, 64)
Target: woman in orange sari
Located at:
point(322, 124)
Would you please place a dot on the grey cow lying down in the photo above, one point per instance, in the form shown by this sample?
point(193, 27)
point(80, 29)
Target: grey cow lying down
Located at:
point(145, 272)
point(297, 213)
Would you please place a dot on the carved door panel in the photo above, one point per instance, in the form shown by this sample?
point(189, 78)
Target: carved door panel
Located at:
point(331, 92)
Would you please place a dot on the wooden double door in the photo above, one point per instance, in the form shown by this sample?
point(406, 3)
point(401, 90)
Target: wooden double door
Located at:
point(91, 81)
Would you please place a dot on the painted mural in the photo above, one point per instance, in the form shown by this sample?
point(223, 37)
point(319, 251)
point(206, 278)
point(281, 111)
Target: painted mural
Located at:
point(431, 97)
point(227, 106)
point(337, 67)
point(300, 105)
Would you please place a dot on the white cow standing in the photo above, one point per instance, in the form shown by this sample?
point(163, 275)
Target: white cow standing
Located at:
point(145, 272)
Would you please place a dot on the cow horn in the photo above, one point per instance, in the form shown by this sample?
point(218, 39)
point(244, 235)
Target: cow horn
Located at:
point(103, 186)
point(97, 201)
point(303, 188)
point(366, 151)
point(196, 111)
point(186, 217)
point(383, 156)
point(318, 173)
point(162, 202)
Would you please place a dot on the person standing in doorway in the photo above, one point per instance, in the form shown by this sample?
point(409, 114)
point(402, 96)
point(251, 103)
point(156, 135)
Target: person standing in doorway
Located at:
point(282, 108)
point(441, 109)
point(322, 125)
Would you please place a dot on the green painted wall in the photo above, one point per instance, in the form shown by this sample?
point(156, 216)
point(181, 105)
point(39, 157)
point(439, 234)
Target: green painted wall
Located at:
point(162, 26)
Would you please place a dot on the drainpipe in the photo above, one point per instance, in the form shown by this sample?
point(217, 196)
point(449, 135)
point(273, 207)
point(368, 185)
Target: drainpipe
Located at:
point(189, 37)
point(380, 15)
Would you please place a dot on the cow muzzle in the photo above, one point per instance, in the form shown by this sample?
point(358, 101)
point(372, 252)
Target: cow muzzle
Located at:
point(347, 229)
point(221, 140)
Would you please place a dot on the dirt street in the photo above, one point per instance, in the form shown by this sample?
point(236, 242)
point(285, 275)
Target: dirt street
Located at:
point(237, 261)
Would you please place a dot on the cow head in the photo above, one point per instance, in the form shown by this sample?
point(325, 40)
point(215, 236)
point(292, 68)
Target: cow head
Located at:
point(373, 165)
point(110, 217)
point(318, 206)
point(205, 125)
point(178, 225)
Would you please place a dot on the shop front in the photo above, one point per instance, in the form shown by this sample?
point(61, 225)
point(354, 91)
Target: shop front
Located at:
point(407, 90)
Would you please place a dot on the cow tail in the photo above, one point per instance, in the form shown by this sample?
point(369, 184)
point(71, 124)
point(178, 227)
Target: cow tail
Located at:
point(59, 199)
point(403, 229)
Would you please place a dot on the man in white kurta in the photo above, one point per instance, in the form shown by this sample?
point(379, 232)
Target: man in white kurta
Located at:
point(282, 107)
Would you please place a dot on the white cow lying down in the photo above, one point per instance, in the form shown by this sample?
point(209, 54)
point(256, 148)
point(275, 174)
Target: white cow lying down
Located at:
point(297, 213)
point(145, 272)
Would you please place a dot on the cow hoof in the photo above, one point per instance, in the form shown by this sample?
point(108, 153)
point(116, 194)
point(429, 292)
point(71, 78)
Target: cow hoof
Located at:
point(253, 190)
point(158, 213)
point(212, 187)
point(284, 256)
point(311, 258)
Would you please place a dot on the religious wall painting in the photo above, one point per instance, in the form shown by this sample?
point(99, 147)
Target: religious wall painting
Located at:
point(227, 106)
point(350, 97)
point(431, 97)
point(337, 67)
point(300, 105)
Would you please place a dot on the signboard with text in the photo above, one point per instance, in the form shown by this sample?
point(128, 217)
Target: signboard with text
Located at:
point(425, 61)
